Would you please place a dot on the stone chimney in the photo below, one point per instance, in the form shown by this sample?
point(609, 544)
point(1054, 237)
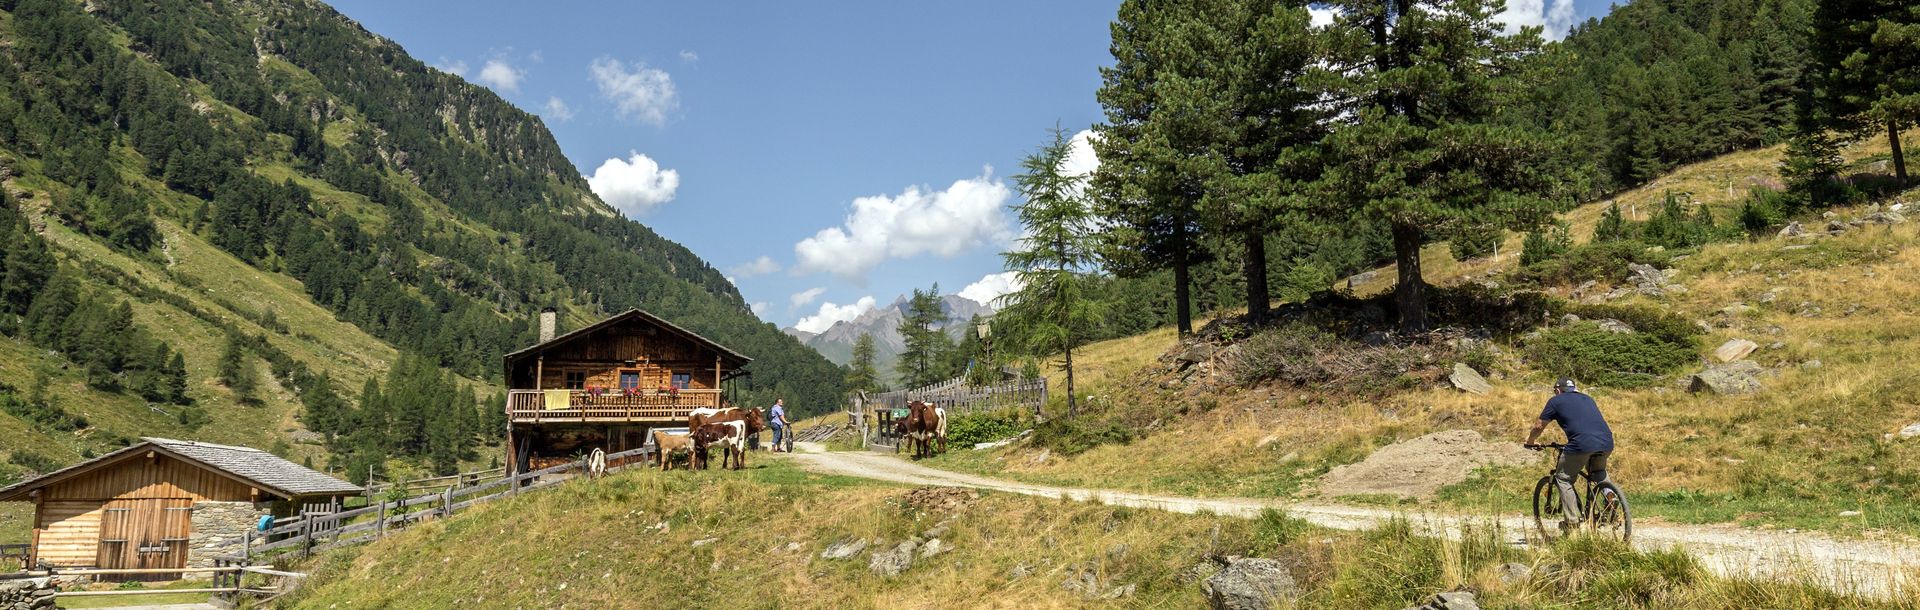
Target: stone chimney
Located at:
point(547, 319)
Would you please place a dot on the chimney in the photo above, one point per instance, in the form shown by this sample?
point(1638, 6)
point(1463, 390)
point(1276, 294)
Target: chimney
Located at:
point(546, 324)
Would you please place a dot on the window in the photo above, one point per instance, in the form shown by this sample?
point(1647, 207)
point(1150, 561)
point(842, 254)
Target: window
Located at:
point(682, 380)
point(576, 380)
point(629, 380)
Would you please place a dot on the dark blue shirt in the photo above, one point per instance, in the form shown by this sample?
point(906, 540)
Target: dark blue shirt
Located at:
point(1579, 417)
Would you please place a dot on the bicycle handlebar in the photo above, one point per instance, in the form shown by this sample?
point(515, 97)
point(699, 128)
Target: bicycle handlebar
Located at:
point(1539, 446)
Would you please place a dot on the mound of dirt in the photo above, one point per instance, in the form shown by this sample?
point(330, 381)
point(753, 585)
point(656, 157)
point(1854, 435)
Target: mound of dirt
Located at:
point(940, 499)
point(1419, 467)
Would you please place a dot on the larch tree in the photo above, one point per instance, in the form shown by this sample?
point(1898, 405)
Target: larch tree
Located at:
point(861, 375)
point(1419, 146)
point(922, 360)
point(1051, 313)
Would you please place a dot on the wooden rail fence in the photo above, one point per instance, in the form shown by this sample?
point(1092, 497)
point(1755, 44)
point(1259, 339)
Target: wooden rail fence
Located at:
point(227, 582)
point(310, 533)
point(955, 395)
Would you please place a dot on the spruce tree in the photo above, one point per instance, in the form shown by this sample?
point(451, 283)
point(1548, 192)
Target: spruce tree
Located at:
point(861, 375)
point(921, 361)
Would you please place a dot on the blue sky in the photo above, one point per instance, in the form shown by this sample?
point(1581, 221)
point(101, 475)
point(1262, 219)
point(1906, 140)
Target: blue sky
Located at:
point(828, 156)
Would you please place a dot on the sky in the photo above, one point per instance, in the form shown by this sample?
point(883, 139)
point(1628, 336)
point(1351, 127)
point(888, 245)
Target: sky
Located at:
point(826, 156)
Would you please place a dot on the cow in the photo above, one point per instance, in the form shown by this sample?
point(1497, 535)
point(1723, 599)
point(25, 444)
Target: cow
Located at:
point(731, 437)
point(755, 419)
point(926, 425)
point(667, 444)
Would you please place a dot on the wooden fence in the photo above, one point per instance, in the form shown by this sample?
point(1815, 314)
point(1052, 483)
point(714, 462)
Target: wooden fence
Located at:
point(309, 533)
point(13, 556)
point(955, 395)
point(228, 580)
point(377, 487)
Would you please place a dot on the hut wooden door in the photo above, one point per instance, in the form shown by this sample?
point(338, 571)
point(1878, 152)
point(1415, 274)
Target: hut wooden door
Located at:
point(146, 533)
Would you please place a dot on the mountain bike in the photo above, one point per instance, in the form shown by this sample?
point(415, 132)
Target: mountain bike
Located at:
point(1608, 516)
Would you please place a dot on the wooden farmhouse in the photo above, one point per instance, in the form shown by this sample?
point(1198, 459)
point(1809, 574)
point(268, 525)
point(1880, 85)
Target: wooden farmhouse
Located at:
point(162, 503)
point(606, 385)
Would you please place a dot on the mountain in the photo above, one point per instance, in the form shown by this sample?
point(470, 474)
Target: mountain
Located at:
point(227, 219)
point(836, 342)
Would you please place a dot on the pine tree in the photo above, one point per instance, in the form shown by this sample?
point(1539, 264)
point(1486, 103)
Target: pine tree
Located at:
point(1422, 149)
point(1867, 68)
point(861, 375)
point(926, 344)
point(237, 373)
point(1050, 313)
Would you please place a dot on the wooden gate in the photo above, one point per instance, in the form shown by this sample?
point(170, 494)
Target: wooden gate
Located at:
point(145, 534)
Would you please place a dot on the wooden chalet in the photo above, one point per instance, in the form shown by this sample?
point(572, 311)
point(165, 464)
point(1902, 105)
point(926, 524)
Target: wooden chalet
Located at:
point(163, 503)
point(607, 385)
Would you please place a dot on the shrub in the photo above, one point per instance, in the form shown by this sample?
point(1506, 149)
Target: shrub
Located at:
point(1600, 260)
point(1076, 435)
point(1543, 245)
point(1764, 209)
point(984, 427)
point(33, 461)
point(1662, 324)
point(1613, 226)
point(1600, 357)
point(1475, 240)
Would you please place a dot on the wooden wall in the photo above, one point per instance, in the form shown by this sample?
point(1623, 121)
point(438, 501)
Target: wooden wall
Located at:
point(658, 354)
point(156, 477)
point(68, 533)
point(607, 374)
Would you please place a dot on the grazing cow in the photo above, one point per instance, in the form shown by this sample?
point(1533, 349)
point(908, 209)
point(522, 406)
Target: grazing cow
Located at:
point(668, 444)
point(730, 436)
point(926, 424)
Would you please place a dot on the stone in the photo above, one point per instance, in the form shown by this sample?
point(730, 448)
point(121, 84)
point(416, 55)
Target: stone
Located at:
point(1377, 338)
point(1734, 349)
point(704, 542)
point(933, 547)
point(1768, 297)
point(1793, 229)
point(1811, 364)
point(1514, 573)
point(1850, 513)
point(1836, 227)
point(1469, 380)
point(939, 530)
point(1729, 379)
point(1456, 600)
point(1195, 353)
point(219, 530)
point(1020, 571)
point(1910, 431)
point(1615, 326)
point(1885, 218)
point(1569, 319)
point(1250, 584)
point(893, 561)
point(1125, 590)
point(844, 549)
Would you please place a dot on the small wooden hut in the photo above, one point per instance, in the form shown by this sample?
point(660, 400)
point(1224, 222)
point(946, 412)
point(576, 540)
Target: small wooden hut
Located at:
point(163, 503)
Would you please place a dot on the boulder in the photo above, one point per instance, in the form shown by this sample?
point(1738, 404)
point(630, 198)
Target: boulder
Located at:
point(1451, 600)
point(1835, 227)
point(1733, 378)
point(1734, 349)
point(1514, 573)
point(1910, 431)
point(1469, 380)
point(1250, 584)
point(893, 561)
point(933, 547)
point(1793, 229)
point(1615, 326)
point(1885, 218)
point(844, 549)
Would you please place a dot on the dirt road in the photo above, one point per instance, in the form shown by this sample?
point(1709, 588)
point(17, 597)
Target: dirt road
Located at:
point(1864, 567)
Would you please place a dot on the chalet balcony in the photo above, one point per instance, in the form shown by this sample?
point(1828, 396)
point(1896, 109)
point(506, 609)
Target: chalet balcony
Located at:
point(612, 407)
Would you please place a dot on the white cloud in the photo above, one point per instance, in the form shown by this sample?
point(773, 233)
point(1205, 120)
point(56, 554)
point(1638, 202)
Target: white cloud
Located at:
point(500, 75)
point(1321, 17)
point(989, 288)
point(966, 214)
point(558, 109)
point(758, 307)
point(1080, 159)
point(1555, 16)
point(641, 93)
point(634, 184)
point(759, 266)
point(831, 313)
point(733, 280)
point(806, 296)
point(456, 67)
point(689, 56)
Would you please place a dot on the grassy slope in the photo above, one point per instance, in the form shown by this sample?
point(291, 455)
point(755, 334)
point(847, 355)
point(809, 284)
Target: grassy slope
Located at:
point(602, 545)
point(1797, 455)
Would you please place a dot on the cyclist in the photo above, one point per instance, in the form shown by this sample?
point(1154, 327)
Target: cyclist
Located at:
point(1589, 442)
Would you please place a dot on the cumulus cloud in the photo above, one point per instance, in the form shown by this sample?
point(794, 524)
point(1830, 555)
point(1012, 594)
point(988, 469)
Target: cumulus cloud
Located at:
point(758, 308)
point(689, 56)
point(806, 296)
point(1321, 17)
point(1554, 16)
point(991, 287)
point(1080, 159)
point(831, 313)
point(500, 75)
point(639, 92)
point(946, 222)
point(456, 67)
point(558, 109)
point(759, 266)
point(635, 184)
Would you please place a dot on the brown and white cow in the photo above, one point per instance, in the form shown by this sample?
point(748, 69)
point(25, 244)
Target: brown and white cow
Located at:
point(926, 425)
point(730, 437)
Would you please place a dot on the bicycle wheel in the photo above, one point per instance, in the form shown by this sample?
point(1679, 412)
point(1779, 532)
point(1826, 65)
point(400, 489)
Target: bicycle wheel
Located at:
point(1546, 509)
point(1610, 516)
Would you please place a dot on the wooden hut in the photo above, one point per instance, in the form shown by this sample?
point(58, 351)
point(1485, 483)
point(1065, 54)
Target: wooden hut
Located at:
point(605, 385)
point(163, 503)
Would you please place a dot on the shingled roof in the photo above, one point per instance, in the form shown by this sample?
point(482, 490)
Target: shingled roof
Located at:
point(267, 471)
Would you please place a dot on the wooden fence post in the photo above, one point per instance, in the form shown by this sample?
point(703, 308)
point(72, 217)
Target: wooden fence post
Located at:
point(446, 502)
point(380, 527)
point(306, 534)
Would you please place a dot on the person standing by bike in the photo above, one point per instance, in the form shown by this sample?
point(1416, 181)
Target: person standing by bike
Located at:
point(1589, 442)
point(777, 419)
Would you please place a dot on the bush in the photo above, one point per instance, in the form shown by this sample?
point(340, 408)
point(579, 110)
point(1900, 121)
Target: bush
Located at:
point(1764, 209)
point(1074, 435)
point(1600, 260)
point(1541, 246)
point(33, 461)
point(1475, 240)
point(985, 427)
point(1600, 357)
point(1654, 321)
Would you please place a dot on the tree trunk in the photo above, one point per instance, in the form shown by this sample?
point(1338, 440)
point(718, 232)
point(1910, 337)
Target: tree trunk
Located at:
point(1899, 157)
point(1182, 295)
point(1410, 294)
point(1256, 270)
point(1072, 409)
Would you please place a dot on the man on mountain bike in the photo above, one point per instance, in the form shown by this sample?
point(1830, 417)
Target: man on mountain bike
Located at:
point(1589, 442)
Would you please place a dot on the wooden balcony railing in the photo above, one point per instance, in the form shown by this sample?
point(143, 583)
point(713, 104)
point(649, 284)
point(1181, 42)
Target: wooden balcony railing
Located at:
point(530, 406)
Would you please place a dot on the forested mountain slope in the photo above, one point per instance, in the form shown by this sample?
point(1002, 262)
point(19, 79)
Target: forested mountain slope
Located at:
point(224, 219)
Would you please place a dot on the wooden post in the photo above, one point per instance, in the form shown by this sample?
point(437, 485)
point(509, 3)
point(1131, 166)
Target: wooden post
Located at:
point(716, 375)
point(539, 372)
point(380, 527)
point(306, 534)
point(446, 502)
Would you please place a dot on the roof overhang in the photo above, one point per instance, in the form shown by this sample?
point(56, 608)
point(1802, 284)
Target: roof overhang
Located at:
point(19, 491)
point(732, 358)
